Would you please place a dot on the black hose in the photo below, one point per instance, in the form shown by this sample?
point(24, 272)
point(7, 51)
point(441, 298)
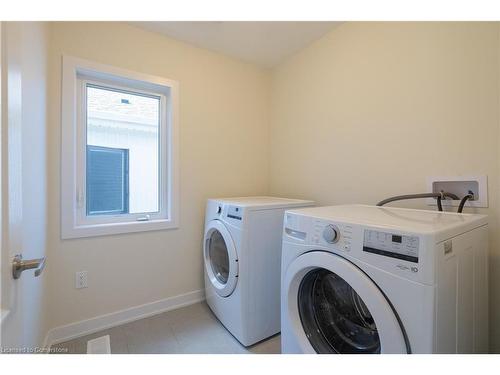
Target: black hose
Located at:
point(462, 202)
point(417, 196)
point(440, 206)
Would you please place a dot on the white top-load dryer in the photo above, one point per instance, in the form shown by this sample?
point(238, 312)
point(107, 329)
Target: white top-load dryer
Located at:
point(364, 279)
point(242, 256)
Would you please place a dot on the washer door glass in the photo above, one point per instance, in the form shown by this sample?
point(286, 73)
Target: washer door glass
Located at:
point(219, 256)
point(334, 317)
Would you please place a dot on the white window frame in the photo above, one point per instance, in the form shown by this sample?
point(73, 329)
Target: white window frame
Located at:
point(75, 222)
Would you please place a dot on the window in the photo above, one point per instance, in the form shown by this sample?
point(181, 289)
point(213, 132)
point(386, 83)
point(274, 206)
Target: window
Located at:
point(122, 127)
point(119, 151)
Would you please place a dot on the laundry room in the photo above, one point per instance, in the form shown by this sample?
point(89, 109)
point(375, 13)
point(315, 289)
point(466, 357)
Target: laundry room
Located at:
point(249, 187)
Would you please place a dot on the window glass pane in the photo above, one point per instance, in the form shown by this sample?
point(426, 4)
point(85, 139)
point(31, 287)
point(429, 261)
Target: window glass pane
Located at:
point(107, 180)
point(122, 120)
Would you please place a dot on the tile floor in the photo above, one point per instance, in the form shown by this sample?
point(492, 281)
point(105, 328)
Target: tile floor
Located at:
point(191, 330)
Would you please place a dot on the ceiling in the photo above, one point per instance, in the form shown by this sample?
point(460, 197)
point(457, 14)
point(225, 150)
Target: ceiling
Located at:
point(264, 43)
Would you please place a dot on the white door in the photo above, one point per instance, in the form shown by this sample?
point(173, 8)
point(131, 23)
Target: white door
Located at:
point(221, 259)
point(11, 328)
point(334, 307)
point(13, 290)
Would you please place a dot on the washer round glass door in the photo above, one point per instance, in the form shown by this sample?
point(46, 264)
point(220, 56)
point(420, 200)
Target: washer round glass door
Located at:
point(221, 261)
point(334, 307)
point(334, 316)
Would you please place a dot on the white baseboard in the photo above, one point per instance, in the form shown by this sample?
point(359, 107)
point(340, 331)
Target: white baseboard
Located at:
point(98, 323)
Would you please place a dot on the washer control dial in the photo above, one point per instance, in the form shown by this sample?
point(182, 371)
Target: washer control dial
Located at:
point(331, 233)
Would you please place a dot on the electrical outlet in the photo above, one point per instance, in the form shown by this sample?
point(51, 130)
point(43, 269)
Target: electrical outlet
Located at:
point(81, 280)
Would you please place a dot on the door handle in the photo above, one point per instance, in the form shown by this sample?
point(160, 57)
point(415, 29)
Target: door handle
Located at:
point(19, 265)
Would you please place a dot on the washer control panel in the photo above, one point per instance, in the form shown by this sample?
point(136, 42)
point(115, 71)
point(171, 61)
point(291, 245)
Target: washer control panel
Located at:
point(388, 248)
point(391, 245)
point(339, 235)
point(331, 233)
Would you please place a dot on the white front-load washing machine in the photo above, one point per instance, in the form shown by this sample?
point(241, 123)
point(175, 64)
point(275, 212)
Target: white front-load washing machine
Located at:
point(365, 279)
point(242, 256)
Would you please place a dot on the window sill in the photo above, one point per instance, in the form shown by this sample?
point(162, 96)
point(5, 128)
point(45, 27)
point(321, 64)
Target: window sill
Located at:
point(96, 230)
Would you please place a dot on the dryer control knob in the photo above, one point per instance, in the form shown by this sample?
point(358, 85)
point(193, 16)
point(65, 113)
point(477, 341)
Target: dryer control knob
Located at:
point(331, 233)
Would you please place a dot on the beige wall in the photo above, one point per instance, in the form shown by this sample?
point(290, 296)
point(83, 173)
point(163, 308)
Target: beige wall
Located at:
point(223, 152)
point(372, 109)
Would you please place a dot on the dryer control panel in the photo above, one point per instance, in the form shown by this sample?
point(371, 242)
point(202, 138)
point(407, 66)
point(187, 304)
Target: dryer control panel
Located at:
point(391, 245)
point(234, 212)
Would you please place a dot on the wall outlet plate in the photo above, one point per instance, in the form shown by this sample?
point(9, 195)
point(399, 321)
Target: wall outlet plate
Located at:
point(81, 280)
point(460, 186)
